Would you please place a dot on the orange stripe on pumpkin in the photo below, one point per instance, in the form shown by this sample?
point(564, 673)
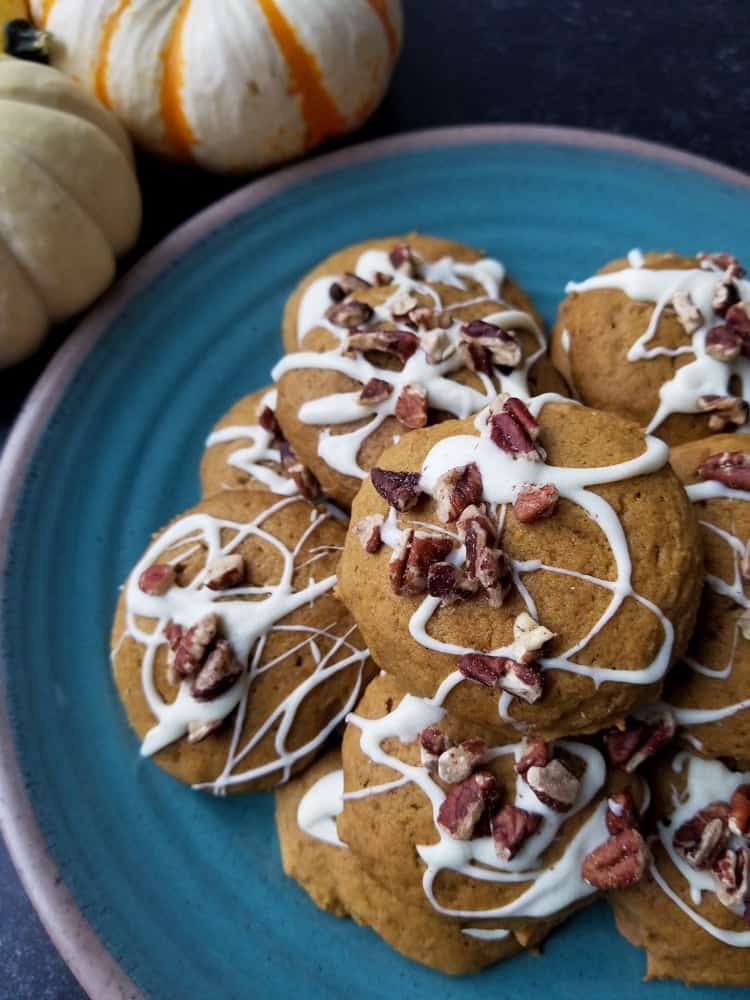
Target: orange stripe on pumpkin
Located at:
point(381, 9)
point(321, 115)
point(179, 132)
point(105, 44)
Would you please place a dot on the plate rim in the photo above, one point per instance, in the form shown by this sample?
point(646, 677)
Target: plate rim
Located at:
point(93, 965)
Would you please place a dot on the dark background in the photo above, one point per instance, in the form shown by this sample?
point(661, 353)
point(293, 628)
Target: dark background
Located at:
point(676, 71)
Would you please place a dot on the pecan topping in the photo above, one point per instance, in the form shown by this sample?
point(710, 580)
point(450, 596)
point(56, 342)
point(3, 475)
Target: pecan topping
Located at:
point(400, 343)
point(442, 580)
point(456, 490)
point(524, 680)
point(689, 315)
point(422, 549)
point(157, 579)
point(528, 638)
point(514, 429)
point(434, 741)
point(535, 752)
point(731, 468)
point(267, 420)
point(456, 763)
point(739, 811)
point(534, 502)
point(404, 260)
point(193, 645)
point(620, 861)
point(349, 313)
point(725, 411)
point(723, 261)
point(400, 489)
point(731, 871)
point(553, 784)
point(485, 563)
point(475, 357)
point(397, 562)
point(723, 343)
point(225, 572)
point(198, 731)
point(621, 812)
point(703, 838)
point(173, 634)
point(300, 475)
point(465, 803)
point(422, 318)
point(411, 406)
point(738, 320)
point(511, 827)
point(367, 532)
point(642, 738)
point(437, 345)
point(403, 304)
point(501, 345)
point(346, 284)
point(217, 674)
point(375, 391)
point(726, 293)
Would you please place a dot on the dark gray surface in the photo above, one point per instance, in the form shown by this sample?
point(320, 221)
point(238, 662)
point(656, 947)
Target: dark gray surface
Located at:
point(673, 72)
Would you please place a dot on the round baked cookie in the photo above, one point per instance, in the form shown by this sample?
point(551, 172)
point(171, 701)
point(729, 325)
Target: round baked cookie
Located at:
point(315, 857)
point(709, 692)
point(681, 913)
point(549, 595)
point(242, 453)
point(233, 659)
point(660, 339)
point(501, 837)
point(426, 329)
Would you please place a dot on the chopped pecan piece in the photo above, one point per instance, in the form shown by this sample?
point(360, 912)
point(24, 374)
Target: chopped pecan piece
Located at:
point(502, 346)
point(723, 261)
point(193, 645)
point(553, 784)
point(422, 318)
point(475, 357)
point(726, 294)
point(731, 468)
point(738, 321)
point(157, 579)
point(642, 738)
point(403, 304)
point(621, 812)
point(218, 673)
point(267, 420)
point(367, 532)
point(511, 827)
point(397, 562)
point(400, 489)
point(225, 572)
point(725, 411)
point(456, 763)
point(400, 343)
point(404, 260)
point(456, 490)
point(529, 638)
point(442, 579)
point(437, 345)
point(375, 391)
point(411, 406)
point(533, 502)
point(423, 549)
point(346, 284)
point(535, 752)
point(702, 839)
point(434, 741)
point(485, 563)
point(173, 634)
point(514, 429)
point(688, 313)
point(619, 862)
point(464, 804)
point(739, 811)
point(723, 343)
point(350, 313)
point(198, 731)
point(524, 680)
point(731, 871)
point(300, 475)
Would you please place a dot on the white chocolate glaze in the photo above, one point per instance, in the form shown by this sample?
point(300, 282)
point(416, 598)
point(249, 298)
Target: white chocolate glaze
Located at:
point(319, 807)
point(704, 375)
point(340, 451)
point(246, 624)
point(707, 781)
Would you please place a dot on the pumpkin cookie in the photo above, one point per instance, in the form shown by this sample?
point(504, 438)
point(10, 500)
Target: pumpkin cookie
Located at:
point(709, 693)
point(232, 657)
point(314, 856)
point(395, 334)
point(538, 566)
point(663, 340)
point(499, 838)
point(692, 913)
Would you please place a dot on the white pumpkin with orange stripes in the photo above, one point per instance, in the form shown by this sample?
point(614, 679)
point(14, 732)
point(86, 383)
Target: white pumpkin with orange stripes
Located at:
point(231, 84)
point(70, 202)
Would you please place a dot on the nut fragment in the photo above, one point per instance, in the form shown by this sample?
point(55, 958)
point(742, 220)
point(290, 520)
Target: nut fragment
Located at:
point(725, 411)
point(535, 752)
point(397, 562)
point(702, 839)
point(514, 429)
point(346, 284)
point(442, 578)
point(723, 343)
point(465, 803)
point(642, 738)
point(621, 812)
point(731, 468)
point(688, 313)
point(218, 673)
point(456, 763)
point(400, 343)
point(375, 391)
point(722, 262)
point(529, 638)
point(501, 345)
point(198, 730)
point(403, 304)
point(349, 313)
point(456, 490)
point(422, 548)
point(726, 293)
point(411, 406)
point(739, 811)
point(738, 321)
point(300, 475)
point(432, 743)
point(523, 680)
point(437, 345)
point(225, 572)
point(553, 784)
point(619, 862)
point(157, 579)
point(368, 534)
point(400, 489)
point(404, 260)
point(485, 563)
point(731, 872)
point(533, 502)
point(267, 420)
point(511, 827)
point(193, 645)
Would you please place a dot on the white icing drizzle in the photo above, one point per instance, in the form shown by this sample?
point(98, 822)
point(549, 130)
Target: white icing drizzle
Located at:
point(319, 807)
point(565, 340)
point(707, 781)
point(704, 375)
point(246, 624)
point(340, 451)
point(250, 459)
point(636, 258)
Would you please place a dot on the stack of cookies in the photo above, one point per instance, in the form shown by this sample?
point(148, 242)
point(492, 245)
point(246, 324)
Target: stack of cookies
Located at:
point(485, 600)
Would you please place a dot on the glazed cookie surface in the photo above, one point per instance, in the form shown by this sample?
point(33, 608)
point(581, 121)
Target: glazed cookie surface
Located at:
point(689, 919)
point(547, 593)
point(315, 857)
point(233, 659)
point(661, 339)
point(709, 692)
point(392, 335)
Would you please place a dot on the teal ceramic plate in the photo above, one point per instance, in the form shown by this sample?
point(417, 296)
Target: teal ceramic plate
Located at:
point(144, 885)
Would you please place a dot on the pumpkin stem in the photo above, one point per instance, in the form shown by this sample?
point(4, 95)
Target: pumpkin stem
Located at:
point(24, 41)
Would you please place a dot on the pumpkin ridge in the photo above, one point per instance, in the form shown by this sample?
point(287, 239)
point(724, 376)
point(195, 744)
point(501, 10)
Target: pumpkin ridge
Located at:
point(179, 132)
point(322, 117)
point(380, 8)
point(108, 31)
